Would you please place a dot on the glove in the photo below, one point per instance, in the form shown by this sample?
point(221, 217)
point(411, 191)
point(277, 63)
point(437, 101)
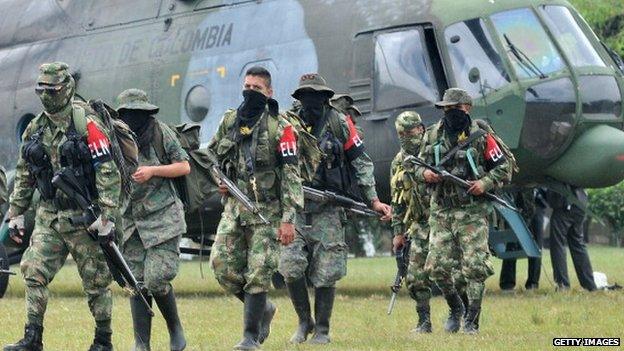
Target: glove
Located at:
point(104, 228)
point(17, 228)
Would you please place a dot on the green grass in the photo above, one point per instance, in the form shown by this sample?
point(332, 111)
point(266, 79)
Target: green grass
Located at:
point(521, 321)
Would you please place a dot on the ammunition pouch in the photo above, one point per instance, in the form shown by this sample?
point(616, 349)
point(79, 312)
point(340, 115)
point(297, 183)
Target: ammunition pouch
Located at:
point(39, 165)
point(75, 155)
point(62, 203)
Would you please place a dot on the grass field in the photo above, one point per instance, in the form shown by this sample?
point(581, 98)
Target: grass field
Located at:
point(521, 321)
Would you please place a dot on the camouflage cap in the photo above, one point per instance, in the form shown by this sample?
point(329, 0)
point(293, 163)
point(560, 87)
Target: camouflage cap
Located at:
point(53, 73)
point(454, 96)
point(407, 120)
point(344, 102)
point(312, 81)
point(135, 99)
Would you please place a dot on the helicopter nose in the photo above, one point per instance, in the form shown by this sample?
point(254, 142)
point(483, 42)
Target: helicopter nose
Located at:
point(594, 160)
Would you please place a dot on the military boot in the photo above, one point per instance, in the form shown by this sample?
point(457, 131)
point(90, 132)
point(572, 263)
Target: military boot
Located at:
point(456, 312)
point(323, 305)
point(142, 323)
point(265, 324)
point(32, 341)
point(424, 317)
point(471, 322)
point(255, 304)
point(102, 341)
point(169, 309)
point(298, 292)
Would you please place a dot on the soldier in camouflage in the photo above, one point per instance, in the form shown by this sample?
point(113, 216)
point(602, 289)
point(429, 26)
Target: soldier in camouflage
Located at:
point(257, 148)
point(410, 213)
point(153, 218)
point(458, 218)
point(319, 248)
point(54, 237)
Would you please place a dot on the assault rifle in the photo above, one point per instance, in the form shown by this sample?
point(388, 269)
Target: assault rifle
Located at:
point(326, 196)
point(66, 182)
point(233, 189)
point(457, 180)
point(6, 271)
point(402, 262)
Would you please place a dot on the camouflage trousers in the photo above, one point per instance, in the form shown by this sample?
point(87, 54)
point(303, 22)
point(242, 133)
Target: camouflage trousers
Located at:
point(244, 258)
point(418, 282)
point(319, 249)
point(155, 266)
point(53, 238)
point(460, 231)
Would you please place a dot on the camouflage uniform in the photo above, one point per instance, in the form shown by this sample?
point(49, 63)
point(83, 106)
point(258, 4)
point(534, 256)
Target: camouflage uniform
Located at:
point(319, 251)
point(153, 223)
point(458, 220)
point(53, 237)
point(246, 251)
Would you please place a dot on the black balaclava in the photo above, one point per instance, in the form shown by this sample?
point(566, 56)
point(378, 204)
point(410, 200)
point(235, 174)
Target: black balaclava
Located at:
point(455, 122)
point(312, 105)
point(141, 122)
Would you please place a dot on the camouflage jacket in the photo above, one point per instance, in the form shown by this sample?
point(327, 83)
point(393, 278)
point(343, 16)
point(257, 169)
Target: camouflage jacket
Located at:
point(345, 130)
point(277, 192)
point(154, 209)
point(481, 160)
point(107, 177)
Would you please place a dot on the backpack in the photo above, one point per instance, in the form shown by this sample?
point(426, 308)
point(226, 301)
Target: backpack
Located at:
point(124, 149)
point(309, 152)
point(194, 188)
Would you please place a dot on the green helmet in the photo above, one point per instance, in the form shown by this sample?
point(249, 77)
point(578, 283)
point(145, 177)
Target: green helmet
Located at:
point(407, 120)
point(135, 99)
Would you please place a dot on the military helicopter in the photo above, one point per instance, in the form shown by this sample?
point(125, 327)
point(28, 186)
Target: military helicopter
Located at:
point(536, 71)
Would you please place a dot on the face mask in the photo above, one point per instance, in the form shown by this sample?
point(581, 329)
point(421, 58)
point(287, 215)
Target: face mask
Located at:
point(135, 119)
point(312, 103)
point(253, 105)
point(55, 98)
point(456, 120)
point(411, 144)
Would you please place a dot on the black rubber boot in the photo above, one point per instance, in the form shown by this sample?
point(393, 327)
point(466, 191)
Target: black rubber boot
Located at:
point(102, 341)
point(32, 341)
point(456, 312)
point(298, 292)
point(142, 323)
point(255, 305)
point(265, 324)
point(424, 317)
point(464, 297)
point(323, 305)
point(471, 322)
point(169, 309)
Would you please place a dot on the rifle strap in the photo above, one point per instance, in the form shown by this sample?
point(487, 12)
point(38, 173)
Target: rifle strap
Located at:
point(479, 133)
point(158, 144)
point(80, 120)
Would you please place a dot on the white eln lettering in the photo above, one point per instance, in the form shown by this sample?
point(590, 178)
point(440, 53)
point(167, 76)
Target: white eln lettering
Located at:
point(496, 154)
point(357, 141)
point(289, 148)
point(104, 147)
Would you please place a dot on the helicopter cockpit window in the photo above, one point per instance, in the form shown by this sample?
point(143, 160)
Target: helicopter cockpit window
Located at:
point(529, 48)
point(470, 46)
point(403, 72)
point(570, 37)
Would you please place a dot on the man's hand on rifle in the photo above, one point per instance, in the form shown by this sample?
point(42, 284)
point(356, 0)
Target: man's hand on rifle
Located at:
point(17, 228)
point(384, 209)
point(104, 228)
point(397, 242)
point(223, 190)
point(286, 233)
point(476, 187)
point(431, 177)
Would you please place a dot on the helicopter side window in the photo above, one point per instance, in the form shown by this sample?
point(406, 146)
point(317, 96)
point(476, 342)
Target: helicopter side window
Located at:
point(531, 52)
point(403, 71)
point(569, 35)
point(601, 97)
point(470, 45)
